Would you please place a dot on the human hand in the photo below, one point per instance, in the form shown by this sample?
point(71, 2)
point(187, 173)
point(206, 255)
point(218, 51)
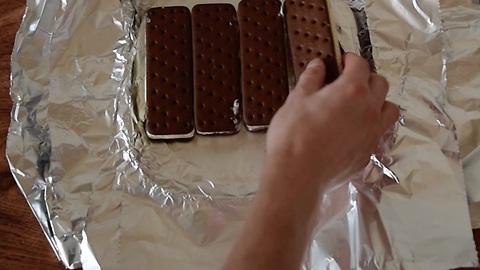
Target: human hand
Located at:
point(331, 131)
point(321, 133)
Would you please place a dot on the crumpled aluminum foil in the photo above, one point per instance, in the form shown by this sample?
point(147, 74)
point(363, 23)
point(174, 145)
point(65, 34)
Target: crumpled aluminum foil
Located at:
point(461, 28)
point(108, 198)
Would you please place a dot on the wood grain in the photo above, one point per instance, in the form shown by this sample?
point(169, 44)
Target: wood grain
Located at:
point(22, 243)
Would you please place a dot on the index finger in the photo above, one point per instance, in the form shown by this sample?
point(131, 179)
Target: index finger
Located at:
point(356, 67)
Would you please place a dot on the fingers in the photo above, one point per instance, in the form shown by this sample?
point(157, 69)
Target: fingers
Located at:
point(389, 115)
point(379, 86)
point(312, 79)
point(356, 68)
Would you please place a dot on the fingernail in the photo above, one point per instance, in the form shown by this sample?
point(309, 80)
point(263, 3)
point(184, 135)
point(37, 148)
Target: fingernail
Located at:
point(315, 63)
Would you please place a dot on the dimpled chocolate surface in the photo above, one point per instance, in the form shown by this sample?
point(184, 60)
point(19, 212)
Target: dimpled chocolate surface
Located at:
point(216, 68)
point(264, 63)
point(310, 35)
point(169, 80)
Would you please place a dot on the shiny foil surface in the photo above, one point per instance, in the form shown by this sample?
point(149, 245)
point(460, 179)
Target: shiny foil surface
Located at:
point(109, 198)
point(461, 28)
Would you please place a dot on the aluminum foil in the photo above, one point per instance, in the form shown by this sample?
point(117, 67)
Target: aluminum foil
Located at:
point(461, 28)
point(71, 123)
point(108, 198)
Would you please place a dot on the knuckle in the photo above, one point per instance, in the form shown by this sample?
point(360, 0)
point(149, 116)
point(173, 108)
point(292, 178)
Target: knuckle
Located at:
point(358, 90)
point(371, 116)
point(384, 82)
point(381, 81)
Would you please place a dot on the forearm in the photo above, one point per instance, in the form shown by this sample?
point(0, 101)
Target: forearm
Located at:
point(321, 133)
point(278, 228)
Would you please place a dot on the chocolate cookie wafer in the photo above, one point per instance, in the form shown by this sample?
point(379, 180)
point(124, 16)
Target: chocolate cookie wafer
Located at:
point(310, 34)
point(264, 62)
point(169, 78)
point(216, 69)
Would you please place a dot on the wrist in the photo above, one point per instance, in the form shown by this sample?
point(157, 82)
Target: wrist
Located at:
point(294, 172)
point(293, 184)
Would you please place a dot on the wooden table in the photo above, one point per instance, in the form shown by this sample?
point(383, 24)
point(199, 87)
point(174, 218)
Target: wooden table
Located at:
point(22, 243)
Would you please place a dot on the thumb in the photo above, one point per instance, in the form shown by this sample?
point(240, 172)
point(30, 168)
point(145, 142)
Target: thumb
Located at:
point(313, 78)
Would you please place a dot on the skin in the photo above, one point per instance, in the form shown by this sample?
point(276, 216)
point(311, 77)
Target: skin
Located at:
point(322, 134)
